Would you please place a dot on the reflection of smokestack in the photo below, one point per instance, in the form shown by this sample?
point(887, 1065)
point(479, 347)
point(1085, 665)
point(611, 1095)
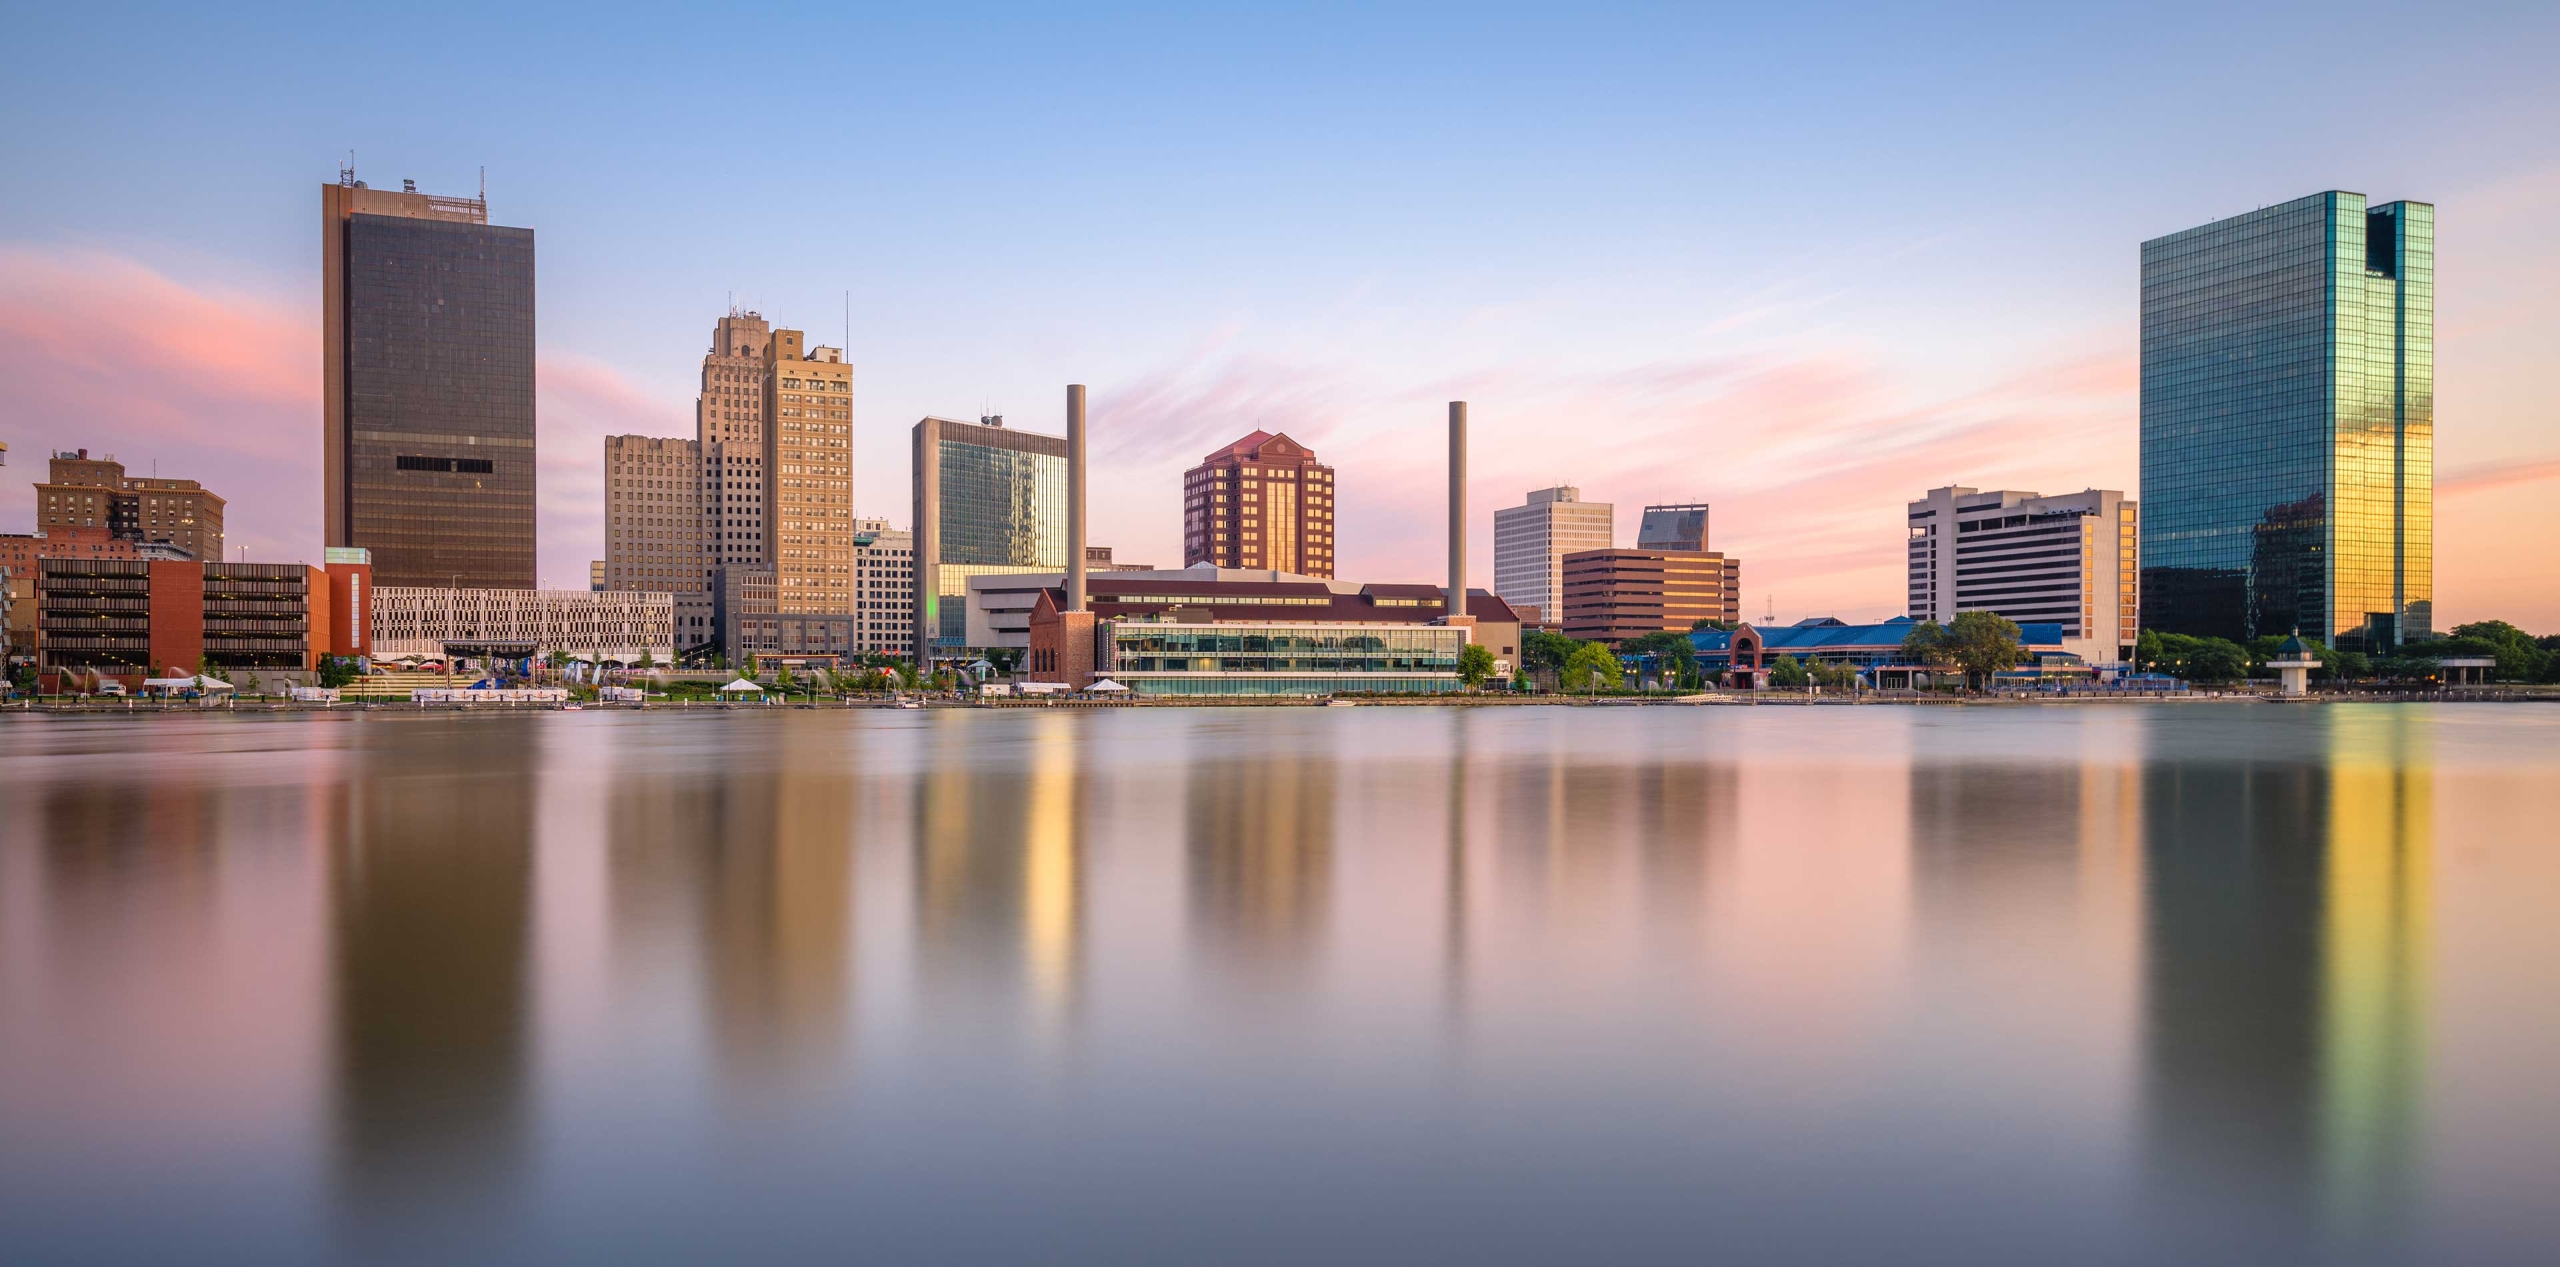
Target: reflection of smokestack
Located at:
point(1075, 497)
point(1457, 508)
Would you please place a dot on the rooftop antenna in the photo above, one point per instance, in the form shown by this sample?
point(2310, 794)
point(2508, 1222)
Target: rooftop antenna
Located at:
point(484, 186)
point(347, 171)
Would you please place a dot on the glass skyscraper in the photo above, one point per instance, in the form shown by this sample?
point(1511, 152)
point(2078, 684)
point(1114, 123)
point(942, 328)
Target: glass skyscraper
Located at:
point(428, 441)
point(2288, 424)
point(988, 499)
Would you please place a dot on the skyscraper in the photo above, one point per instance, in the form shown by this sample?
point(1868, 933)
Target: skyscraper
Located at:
point(808, 475)
point(427, 442)
point(2288, 424)
point(729, 423)
point(1262, 502)
point(1530, 542)
point(988, 499)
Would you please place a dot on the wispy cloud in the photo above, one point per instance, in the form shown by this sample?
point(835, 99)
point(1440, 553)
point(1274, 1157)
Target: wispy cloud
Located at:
point(104, 353)
point(2489, 475)
point(1807, 458)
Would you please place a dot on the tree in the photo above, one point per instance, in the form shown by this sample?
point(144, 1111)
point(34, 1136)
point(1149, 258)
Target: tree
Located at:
point(1710, 622)
point(1592, 660)
point(1787, 673)
point(1927, 645)
point(1520, 680)
point(2520, 658)
point(782, 678)
point(2215, 660)
point(1004, 659)
point(1673, 649)
point(1983, 643)
point(1475, 664)
point(1544, 649)
point(647, 661)
point(752, 668)
point(1832, 675)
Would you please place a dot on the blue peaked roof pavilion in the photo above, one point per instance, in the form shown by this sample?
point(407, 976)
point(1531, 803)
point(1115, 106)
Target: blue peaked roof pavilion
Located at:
point(1832, 639)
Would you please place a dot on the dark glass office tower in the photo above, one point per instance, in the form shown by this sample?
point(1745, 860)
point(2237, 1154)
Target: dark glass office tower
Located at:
point(2288, 424)
point(427, 329)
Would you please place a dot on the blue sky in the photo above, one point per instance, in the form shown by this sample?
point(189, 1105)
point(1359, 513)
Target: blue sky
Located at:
point(1799, 264)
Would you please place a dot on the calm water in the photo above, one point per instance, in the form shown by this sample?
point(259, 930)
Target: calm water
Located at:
point(2109, 984)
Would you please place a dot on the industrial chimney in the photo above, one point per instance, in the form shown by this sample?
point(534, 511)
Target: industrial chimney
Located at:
point(1075, 497)
point(1457, 508)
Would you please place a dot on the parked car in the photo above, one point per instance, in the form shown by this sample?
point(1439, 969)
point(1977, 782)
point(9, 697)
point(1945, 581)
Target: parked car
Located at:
point(109, 688)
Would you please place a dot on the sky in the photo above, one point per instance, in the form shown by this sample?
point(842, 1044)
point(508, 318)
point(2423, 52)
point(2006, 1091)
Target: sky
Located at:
point(1800, 265)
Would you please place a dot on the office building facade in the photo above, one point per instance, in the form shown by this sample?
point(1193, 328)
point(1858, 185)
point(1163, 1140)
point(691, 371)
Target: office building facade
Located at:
point(988, 500)
point(619, 625)
point(654, 527)
point(2288, 424)
point(808, 474)
point(2071, 561)
point(729, 425)
point(427, 377)
point(1531, 540)
point(1680, 527)
point(84, 492)
point(883, 587)
point(1261, 502)
point(1613, 595)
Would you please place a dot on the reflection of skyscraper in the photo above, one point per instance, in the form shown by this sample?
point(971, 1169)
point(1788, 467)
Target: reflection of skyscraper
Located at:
point(2286, 943)
point(999, 890)
point(2288, 378)
point(2232, 992)
point(432, 906)
point(751, 866)
point(1260, 857)
point(2376, 935)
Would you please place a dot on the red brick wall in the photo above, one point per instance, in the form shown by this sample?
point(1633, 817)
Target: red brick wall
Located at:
point(350, 609)
point(177, 615)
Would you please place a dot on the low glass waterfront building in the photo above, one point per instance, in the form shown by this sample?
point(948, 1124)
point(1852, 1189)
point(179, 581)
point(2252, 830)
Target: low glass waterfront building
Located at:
point(1157, 657)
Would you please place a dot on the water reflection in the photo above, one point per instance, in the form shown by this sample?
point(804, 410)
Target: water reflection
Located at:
point(2113, 984)
point(2286, 929)
point(1258, 861)
point(752, 866)
point(431, 873)
point(998, 871)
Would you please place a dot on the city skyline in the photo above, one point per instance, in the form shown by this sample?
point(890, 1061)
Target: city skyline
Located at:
point(1641, 354)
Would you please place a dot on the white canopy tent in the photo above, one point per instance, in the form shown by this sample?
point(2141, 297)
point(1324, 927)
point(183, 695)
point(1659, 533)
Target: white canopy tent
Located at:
point(741, 686)
point(1106, 686)
point(198, 683)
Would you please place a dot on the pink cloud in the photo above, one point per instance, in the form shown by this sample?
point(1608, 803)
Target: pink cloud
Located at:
point(1806, 458)
point(223, 385)
point(2482, 478)
point(217, 385)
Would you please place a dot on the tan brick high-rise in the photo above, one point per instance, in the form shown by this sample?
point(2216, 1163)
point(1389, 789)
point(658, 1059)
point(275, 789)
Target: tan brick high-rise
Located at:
point(94, 492)
point(808, 475)
point(653, 533)
point(729, 425)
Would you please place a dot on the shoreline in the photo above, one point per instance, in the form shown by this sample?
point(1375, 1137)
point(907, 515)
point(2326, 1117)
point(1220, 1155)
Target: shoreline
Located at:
point(39, 708)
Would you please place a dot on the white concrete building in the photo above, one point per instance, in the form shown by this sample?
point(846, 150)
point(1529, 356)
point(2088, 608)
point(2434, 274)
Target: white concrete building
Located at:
point(588, 624)
point(1530, 542)
point(884, 578)
point(2070, 560)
